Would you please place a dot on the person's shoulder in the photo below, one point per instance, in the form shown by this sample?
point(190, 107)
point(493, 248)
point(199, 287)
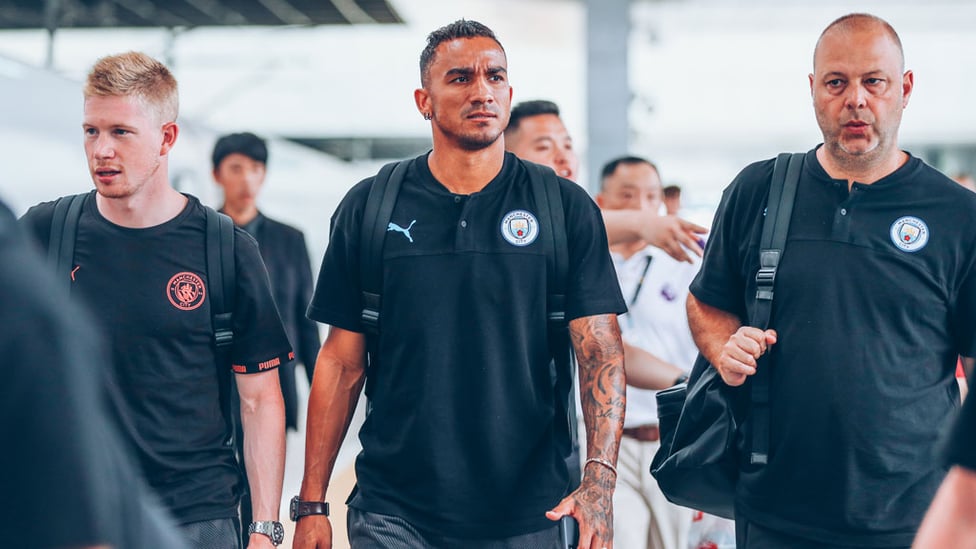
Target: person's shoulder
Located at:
point(353, 204)
point(283, 230)
point(754, 176)
point(37, 219)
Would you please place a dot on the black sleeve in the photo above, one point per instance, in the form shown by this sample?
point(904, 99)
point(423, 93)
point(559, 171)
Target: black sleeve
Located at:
point(307, 346)
point(592, 286)
point(260, 342)
point(337, 300)
point(732, 251)
point(64, 449)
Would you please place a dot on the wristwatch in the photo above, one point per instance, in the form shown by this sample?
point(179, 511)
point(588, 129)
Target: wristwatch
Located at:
point(271, 528)
point(299, 508)
point(683, 378)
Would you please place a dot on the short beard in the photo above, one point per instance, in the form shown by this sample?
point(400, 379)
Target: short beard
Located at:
point(469, 142)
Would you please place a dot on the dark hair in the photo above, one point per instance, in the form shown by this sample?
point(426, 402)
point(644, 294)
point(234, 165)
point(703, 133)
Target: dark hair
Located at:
point(462, 28)
point(612, 166)
point(245, 143)
point(851, 21)
point(528, 109)
point(672, 191)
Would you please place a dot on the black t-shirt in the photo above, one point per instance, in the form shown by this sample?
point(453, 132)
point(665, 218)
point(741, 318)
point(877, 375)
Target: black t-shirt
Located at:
point(874, 299)
point(148, 288)
point(462, 436)
point(65, 479)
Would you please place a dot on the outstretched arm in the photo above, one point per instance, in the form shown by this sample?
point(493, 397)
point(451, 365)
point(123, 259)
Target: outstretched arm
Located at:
point(667, 232)
point(732, 348)
point(600, 354)
point(340, 372)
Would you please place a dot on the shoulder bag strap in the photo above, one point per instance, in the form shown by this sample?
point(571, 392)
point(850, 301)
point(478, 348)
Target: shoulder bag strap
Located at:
point(776, 225)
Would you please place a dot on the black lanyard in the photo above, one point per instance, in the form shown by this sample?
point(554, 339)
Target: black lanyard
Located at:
point(640, 281)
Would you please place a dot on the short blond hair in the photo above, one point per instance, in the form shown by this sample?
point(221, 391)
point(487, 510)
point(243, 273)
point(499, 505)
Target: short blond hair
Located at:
point(139, 75)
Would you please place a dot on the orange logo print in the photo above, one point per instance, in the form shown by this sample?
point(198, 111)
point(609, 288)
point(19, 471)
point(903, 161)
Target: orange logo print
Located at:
point(186, 291)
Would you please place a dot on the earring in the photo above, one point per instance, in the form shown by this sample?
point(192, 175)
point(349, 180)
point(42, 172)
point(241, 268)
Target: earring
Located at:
point(427, 116)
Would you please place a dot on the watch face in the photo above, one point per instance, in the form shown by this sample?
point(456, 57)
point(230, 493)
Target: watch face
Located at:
point(293, 508)
point(278, 534)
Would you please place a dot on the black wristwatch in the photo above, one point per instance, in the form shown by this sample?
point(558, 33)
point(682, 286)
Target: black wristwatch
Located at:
point(271, 528)
point(299, 508)
point(683, 378)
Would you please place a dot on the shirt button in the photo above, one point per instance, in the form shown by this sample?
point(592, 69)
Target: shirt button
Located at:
point(464, 223)
point(843, 211)
point(457, 199)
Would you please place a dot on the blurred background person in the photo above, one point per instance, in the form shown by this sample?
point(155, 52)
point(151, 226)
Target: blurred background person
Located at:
point(672, 199)
point(659, 353)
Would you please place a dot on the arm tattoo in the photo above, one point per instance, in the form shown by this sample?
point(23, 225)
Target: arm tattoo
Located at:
point(600, 354)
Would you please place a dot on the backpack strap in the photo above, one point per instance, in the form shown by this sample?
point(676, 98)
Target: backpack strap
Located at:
point(552, 231)
point(64, 231)
point(376, 219)
point(545, 190)
point(221, 274)
point(776, 225)
point(222, 281)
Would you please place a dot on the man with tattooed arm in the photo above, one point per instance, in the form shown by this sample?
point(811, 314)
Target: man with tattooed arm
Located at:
point(464, 442)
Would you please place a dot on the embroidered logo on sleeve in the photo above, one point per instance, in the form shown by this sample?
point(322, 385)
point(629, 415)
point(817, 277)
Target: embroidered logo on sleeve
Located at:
point(520, 228)
point(909, 233)
point(186, 291)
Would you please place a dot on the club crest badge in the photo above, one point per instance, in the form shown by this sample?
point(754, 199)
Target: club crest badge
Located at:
point(520, 228)
point(909, 233)
point(186, 291)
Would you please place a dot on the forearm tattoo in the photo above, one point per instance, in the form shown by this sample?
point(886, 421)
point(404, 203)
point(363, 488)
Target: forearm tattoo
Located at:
point(600, 354)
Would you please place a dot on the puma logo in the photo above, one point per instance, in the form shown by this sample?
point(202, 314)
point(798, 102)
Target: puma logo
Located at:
point(406, 232)
point(73, 271)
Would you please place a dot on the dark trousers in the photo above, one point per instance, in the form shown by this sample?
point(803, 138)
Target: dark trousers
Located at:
point(375, 531)
point(213, 534)
point(749, 535)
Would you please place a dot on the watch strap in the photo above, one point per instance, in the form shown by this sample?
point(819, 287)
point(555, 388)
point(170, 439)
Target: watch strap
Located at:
point(305, 508)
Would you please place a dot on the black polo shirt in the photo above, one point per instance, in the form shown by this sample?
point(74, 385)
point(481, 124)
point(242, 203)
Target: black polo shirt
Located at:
point(149, 291)
point(874, 299)
point(461, 439)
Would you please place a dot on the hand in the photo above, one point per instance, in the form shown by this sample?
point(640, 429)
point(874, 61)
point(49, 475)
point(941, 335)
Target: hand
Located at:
point(313, 532)
point(674, 235)
point(740, 353)
point(592, 507)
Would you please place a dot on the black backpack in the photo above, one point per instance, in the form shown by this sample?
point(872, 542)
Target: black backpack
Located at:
point(545, 189)
point(221, 273)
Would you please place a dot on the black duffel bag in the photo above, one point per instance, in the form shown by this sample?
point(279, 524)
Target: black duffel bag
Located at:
point(697, 465)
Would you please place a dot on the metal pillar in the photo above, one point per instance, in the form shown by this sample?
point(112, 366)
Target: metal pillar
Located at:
point(52, 16)
point(608, 94)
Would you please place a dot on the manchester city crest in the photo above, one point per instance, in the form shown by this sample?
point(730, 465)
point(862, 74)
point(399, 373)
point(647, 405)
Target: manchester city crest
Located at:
point(909, 233)
point(520, 228)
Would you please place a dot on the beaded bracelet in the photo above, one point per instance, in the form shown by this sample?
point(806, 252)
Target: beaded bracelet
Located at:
point(602, 462)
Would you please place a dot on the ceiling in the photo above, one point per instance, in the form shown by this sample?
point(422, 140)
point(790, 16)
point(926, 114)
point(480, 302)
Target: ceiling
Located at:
point(59, 14)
